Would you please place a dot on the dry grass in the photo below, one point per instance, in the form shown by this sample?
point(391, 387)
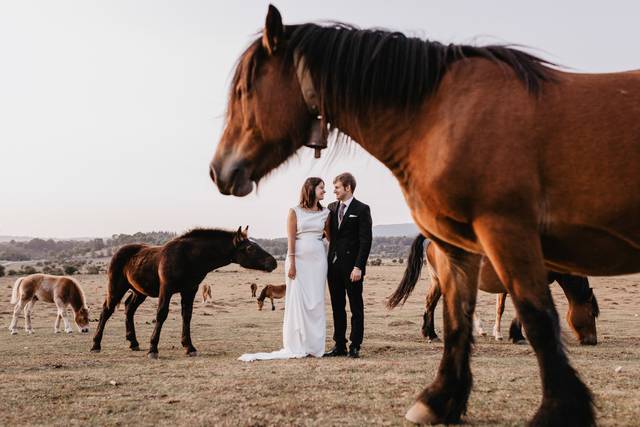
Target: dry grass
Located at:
point(54, 380)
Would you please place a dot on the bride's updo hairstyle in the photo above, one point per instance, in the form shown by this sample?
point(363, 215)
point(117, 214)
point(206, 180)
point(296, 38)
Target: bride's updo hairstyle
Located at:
point(308, 193)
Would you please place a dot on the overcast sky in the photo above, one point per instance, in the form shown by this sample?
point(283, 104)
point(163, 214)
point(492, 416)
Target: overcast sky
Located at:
point(111, 110)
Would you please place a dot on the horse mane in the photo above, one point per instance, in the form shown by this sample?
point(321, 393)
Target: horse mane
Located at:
point(263, 293)
point(83, 298)
point(356, 70)
point(206, 233)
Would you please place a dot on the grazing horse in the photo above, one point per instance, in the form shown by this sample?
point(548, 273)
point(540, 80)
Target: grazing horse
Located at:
point(272, 292)
point(60, 290)
point(254, 289)
point(176, 267)
point(497, 154)
point(581, 315)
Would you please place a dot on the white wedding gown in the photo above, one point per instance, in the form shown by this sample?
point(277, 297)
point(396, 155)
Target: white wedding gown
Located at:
point(304, 326)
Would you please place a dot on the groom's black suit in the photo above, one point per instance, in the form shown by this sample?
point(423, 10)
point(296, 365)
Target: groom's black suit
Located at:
point(348, 248)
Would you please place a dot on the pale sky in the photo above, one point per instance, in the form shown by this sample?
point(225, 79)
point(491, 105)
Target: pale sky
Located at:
point(111, 110)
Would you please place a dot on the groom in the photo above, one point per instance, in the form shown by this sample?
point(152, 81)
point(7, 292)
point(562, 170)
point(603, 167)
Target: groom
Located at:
point(350, 243)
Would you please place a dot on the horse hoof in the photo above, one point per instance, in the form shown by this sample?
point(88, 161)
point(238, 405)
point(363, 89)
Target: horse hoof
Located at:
point(95, 350)
point(152, 356)
point(14, 332)
point(420, 413)
point(520, 342)
point(69, 331)
point(56, 331)
point(192, 353)
point(499, 338)
point(29, 331)
point(135, 348)
point(434, 340)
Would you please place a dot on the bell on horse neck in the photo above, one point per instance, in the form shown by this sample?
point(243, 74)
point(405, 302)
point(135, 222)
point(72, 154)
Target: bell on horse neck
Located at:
point(317, 138)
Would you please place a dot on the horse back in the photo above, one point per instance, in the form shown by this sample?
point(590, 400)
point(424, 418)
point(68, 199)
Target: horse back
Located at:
point(137, 264)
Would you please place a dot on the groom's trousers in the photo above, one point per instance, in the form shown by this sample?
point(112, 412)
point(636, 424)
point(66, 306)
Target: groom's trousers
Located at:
point(341, 286)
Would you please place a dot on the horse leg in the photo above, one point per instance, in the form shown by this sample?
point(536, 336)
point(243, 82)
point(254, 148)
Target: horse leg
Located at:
point(445, 400)
point(187, 298)
point(515, 332)
point(477, 326)
point(583, 307)
point(28, 308)
point(56, 324)
point(500, 303)
point(114, 295)
point(161, 316)
point(430, 304)
point(14, 319)
point(273, 306)
point(515, 251)
point(131, 304)
point(62, 312)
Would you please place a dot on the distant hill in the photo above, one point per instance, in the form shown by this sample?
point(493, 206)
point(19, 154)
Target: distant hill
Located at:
point(395, 230)
point(16, 238)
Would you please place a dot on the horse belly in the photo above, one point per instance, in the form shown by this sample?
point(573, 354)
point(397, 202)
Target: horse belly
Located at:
point(591, 251)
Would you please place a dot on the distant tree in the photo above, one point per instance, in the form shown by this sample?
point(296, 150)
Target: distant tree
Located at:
point(12, 273)
point(400, 261)
point(28, 269)
point(93, 269)
point(69, 269)
point(1, 270)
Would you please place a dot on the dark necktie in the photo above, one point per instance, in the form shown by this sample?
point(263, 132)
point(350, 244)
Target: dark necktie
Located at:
point(341, 213)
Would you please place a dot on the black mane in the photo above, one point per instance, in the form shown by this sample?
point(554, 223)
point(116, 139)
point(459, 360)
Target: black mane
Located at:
point(207, 233)
point(355, 69)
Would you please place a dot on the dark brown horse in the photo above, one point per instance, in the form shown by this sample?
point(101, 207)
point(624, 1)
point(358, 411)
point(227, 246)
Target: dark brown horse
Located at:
point(176, 267)
point(497, 154)
point(581, 314)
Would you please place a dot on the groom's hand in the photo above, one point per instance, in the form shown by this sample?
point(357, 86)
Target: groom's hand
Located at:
point(356, 274)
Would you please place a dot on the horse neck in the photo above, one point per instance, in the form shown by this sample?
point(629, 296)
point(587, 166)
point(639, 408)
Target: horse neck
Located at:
point(77, 298)
point(213, 254)
point(263, 294)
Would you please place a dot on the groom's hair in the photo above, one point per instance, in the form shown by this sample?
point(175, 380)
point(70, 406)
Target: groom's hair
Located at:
point(346, 179)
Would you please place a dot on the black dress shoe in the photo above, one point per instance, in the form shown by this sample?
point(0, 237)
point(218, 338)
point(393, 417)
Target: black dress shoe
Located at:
point(354, 352)
point(336, 351)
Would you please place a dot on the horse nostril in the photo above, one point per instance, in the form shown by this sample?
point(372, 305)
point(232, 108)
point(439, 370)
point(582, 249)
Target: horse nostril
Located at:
point(212, 173)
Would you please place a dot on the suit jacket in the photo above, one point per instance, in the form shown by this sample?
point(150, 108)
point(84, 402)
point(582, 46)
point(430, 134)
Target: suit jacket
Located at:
point(351, 242)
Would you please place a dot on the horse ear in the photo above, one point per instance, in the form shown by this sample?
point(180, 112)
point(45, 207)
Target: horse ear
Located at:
point(273, 30)
point(237, 238)
point(246, 232)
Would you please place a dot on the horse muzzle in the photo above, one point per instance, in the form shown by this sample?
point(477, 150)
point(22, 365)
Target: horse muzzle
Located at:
point(231, 177)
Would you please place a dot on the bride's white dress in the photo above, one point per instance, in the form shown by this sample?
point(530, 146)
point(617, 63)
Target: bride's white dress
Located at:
point(304, 326)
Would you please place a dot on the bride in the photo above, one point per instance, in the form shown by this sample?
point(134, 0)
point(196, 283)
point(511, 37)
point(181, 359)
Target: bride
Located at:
point(304, 327)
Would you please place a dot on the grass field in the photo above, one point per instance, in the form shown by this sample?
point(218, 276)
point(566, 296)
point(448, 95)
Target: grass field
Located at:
point(50, 379)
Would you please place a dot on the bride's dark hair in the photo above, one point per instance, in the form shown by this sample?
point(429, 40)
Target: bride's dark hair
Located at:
point(308, 193)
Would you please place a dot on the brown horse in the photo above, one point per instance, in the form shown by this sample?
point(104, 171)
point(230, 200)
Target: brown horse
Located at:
point(254, 289)
point(581, 315)
point(497, 154)
point(176, 267)
point(272, 292)
point(60, 290)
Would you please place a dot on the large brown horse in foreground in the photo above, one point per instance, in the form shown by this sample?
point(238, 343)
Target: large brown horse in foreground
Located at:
point(176, 267)
point(581, 315)
point(497, 154)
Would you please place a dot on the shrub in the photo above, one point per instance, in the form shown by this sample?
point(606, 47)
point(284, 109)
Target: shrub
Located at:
point(12, 273)
point(69, 269)
point(1, 270)
point(93, 269)
point(28, 269)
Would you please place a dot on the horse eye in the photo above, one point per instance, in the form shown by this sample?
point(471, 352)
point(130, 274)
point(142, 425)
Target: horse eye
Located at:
point(251, 249)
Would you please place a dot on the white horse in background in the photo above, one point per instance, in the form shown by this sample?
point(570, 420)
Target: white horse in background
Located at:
point(60, 290)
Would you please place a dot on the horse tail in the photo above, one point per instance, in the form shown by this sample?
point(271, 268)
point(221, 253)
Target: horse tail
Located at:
point(263, 293)
point(14, 291)
point(119, 261)
point(411, 273)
